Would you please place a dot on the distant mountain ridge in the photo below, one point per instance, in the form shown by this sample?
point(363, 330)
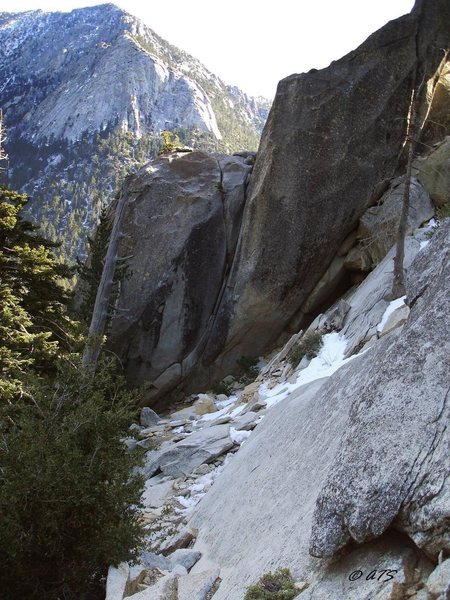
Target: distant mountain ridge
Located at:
point(85, 96)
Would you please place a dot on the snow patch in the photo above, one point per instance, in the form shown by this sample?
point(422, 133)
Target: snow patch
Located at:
point(392, 306)
point(330, 358)
point(238, 437)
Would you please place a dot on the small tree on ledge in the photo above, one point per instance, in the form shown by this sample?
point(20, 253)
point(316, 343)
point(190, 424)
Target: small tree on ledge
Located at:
point(169, 142)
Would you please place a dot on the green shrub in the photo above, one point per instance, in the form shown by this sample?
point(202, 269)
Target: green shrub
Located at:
point(309, 346)
point(69, 502)
point(223, 387)
point(443, 212)
point(249, 368)
point(273, 586)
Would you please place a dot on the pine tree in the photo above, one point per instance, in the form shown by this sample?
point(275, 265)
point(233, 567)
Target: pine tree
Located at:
point(69, 488)
point(169, 142)
point(34, 326)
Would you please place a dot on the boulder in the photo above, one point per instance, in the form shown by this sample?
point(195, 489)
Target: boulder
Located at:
point(155, 561)
point(185, 557)
point(183, 416)
point(334, 318)
point(358, 259)
point(221, 398)
point(204, 405)
point(250, 392)
point(179, 570)
point(219, 421)
point(254, 406)
point(332, 139)
point(218, 271)
point(396, 319)
point(180, 540)
point(180, 459)
point(279, 357)
point(434, 172)
point(378, 226)
point(152, 458)
point(196, 586)
point(181, 224)
point(149, 417)
point(246, 422)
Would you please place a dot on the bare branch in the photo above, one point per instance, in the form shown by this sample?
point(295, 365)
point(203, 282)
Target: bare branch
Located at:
point(3, 155)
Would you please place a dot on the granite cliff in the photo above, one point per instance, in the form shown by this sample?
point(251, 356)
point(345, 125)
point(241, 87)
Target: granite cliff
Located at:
point(253, 256)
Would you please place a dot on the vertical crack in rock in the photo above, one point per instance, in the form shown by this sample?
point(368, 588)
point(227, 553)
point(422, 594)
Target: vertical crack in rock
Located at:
point(234, 199)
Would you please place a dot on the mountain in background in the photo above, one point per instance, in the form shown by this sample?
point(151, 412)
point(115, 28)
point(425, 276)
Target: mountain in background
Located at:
point(85, 96)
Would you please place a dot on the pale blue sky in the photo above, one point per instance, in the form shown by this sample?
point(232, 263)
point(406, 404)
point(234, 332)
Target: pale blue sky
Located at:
point(253, 43)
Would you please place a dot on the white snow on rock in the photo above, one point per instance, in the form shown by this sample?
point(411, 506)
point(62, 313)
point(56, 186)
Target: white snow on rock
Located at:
point(330, 358)
point(198, 489)
point(389, 310)
point(238, 437)
point(117, 581)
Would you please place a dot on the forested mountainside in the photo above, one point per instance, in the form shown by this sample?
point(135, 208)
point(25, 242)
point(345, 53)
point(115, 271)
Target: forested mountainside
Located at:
point(85, 96)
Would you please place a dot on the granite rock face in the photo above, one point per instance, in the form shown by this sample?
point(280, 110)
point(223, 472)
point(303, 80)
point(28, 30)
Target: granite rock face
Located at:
point(354, 457)
point(391, 464)
point(332, 137)
point(182, 223)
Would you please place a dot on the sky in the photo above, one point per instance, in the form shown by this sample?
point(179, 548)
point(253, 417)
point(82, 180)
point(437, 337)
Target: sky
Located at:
point(253, 43)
